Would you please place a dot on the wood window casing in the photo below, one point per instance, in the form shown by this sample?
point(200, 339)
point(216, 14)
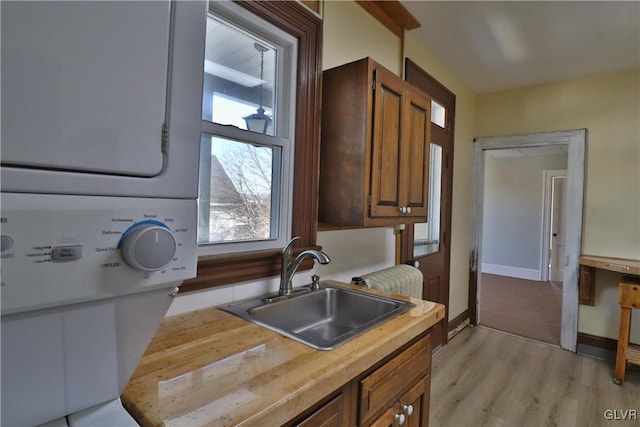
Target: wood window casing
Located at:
point(218, 270)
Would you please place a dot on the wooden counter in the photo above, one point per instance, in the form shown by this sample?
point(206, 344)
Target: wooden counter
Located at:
point(209, 367)
point(621, 265)
point(588, 266)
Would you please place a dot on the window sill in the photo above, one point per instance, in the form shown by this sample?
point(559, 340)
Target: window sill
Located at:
point(219, 270)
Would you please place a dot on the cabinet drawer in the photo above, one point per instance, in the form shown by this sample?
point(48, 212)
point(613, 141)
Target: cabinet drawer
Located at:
point(330, 415)
point(387, 383)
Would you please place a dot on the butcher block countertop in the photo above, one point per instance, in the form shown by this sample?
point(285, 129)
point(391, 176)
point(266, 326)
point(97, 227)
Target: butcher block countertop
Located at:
point(621, 265)
point(209, 367)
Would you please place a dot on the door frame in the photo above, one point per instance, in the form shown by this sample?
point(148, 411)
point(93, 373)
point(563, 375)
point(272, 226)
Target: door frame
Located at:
point(549, 174)
point(576, 143)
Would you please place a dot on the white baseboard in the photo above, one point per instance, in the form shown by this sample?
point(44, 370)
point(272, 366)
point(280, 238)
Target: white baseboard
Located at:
point(505, 270)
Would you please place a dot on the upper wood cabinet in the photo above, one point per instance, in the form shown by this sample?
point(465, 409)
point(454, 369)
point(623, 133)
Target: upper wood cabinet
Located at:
point(374, 162)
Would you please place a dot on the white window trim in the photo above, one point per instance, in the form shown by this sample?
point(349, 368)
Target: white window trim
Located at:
point(285, 100)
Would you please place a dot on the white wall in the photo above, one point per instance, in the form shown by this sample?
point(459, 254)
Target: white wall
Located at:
point(513, 213)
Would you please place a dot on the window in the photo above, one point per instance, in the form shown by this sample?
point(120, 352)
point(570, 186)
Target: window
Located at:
point(438, 115)
point(246, 162)
point(426, 236)
point(294, 133)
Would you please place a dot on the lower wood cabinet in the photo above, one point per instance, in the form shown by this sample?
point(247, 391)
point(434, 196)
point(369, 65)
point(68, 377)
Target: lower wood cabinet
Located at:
point(395, 393)
point(411, 409)
point(334, 413)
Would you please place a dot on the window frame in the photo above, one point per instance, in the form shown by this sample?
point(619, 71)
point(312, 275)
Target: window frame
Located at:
point(299, 22)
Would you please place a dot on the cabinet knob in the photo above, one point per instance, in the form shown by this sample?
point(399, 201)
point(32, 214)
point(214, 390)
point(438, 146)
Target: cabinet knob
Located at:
point(400, 418)
point(408, 409)
point(403, 210)
point(408, 210)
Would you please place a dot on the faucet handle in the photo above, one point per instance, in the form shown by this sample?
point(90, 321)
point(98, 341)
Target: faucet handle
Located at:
point(286, 251)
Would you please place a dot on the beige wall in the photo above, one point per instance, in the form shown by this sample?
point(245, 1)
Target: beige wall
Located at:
point(350, 33)
point(608, 106)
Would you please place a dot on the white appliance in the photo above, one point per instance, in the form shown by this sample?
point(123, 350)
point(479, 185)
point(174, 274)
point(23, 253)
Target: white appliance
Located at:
point(101, 107)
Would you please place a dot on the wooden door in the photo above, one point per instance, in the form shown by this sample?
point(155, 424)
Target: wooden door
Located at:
point(430, 240)
point(423, 242)
point(385, 150)
point(556, 265)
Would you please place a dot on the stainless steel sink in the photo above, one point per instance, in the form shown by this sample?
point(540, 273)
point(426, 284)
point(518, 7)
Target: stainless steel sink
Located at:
point(322, 319)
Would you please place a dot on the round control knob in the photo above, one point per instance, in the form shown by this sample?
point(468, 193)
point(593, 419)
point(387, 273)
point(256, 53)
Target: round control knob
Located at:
point(148, 246)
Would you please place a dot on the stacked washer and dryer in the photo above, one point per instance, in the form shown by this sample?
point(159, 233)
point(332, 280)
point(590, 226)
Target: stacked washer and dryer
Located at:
point(101, 107)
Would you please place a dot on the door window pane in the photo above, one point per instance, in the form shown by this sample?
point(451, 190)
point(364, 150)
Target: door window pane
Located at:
point(427, 235)
point(241, 67)
point(239, 191)
point(438, 114)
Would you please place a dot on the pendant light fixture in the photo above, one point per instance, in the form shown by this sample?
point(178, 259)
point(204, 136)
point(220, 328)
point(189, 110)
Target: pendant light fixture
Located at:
point(259, 121)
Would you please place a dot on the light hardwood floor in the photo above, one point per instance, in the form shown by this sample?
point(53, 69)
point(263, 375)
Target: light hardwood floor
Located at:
point(485, 377)
point(522, 307)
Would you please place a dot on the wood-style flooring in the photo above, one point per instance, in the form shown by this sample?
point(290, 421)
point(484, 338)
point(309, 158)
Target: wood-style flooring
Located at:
point(485, 377)
point(522, 307)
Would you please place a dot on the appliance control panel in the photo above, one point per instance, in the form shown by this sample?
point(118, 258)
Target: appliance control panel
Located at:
point(62, 249)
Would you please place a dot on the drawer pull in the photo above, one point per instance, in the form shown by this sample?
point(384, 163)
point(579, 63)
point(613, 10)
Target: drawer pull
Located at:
point(408, 409)
point(400, 418)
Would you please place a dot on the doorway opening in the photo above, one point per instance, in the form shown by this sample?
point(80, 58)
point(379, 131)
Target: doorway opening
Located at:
point(516, 295)
point(574, 141)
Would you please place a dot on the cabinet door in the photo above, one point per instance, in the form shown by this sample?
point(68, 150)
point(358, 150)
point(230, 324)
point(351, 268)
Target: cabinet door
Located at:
point(387, 419)
point(386, 161)
point(418, 399)
point(417, 122)
point(410, 410)
point(381, 388)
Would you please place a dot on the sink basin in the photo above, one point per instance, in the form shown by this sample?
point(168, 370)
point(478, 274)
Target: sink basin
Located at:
point(322, 319)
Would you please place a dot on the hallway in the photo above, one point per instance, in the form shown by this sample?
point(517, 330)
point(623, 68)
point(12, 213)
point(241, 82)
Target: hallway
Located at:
point(522, 307)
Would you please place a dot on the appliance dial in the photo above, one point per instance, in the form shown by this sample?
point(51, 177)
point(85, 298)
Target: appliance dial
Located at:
point(148, 246)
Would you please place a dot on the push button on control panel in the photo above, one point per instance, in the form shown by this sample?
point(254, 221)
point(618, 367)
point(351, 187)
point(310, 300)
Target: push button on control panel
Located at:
point(66, 253)
point(6, 243)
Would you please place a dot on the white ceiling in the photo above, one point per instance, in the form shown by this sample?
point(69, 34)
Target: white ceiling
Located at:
point(494, 46)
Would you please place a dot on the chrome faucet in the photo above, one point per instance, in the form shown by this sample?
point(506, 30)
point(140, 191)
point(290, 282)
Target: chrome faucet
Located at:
point(289, 267)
